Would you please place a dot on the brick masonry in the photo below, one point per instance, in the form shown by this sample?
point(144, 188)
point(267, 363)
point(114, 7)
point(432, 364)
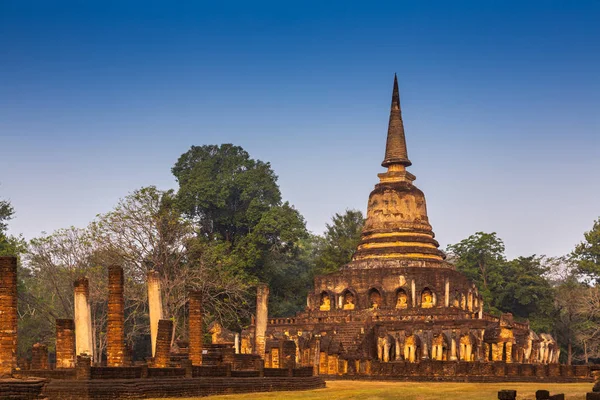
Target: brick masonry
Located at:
point(8, 315)
point(65, 343)
point(163, 343)
point(195, 327)
point(115, 335)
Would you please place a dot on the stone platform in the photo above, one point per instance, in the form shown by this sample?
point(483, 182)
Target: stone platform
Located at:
point(107, 383)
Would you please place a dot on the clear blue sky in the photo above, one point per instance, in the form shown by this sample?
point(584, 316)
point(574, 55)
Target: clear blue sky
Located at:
point(501, 103)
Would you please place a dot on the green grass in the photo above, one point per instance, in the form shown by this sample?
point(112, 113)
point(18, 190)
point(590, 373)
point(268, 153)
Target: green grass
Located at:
point(362, 390)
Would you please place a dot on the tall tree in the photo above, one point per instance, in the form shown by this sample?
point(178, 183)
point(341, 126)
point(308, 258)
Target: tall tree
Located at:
point(9, 245)
point(146, 231)
point(6, 213)
point(587, 254)
point(481, 258)
point(339, 242)
point(525, 292)
point(224, 190)
point(236, 205)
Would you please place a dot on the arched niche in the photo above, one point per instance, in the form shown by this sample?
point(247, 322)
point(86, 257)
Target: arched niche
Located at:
point(325, 303)
point(375, 298)
point(440, 347)
point(401, 299)
point(463, 301)
point(470, 301)
point(348, 300)
point(456, 300)
point(427, 298)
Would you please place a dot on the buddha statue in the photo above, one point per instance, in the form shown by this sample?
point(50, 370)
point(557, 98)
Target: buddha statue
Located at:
point(401, 301)
point(325, 302)
point(426, 299)
point(348, 301)
point(375, 299)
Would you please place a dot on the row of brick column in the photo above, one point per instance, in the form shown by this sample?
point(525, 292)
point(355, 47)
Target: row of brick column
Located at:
point(74, 336)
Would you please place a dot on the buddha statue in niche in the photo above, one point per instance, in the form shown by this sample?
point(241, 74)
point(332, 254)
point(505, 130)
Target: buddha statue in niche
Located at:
point(375, 299)
point(348, 301)
point(426, 299)
point(325, 302)
point(401, 300)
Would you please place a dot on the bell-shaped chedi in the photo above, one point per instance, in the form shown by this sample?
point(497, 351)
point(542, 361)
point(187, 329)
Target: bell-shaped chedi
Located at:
point(397, 226)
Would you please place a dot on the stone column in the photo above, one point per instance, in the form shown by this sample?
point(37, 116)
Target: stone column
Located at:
point(163, 343)
point(83, 368)
point(115, 333)
point(480, 308)
point(236, 343)
point(195, 328)
point(65, 343)
point(83, 318)
point(262, 315)
point(8, 315)
point(413, 294)
point(154, 306)
point(317, 359)
point(447, 293)
point(453, 356)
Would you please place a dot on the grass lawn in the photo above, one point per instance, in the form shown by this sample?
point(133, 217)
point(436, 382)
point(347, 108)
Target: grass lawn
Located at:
point(361, 390)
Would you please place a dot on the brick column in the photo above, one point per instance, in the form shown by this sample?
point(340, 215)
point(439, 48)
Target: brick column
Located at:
point(163, 343)
point(115, 334)
point(39, 356)
point(195, 328)
point(154, 306)
point(262, 315)
point(83, 369)
point(83, 318)
point(8, 315)
point(65, 343)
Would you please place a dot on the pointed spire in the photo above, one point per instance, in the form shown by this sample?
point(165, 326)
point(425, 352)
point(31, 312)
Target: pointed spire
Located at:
point(395, 148)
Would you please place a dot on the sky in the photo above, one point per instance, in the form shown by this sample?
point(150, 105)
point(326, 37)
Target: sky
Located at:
point(500, 100)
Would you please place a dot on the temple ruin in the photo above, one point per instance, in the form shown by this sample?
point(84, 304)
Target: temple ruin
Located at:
point(399, 302)
point(398, 310)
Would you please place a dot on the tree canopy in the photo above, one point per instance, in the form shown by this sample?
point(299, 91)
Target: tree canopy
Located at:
point(339, 242)
point(587, 254)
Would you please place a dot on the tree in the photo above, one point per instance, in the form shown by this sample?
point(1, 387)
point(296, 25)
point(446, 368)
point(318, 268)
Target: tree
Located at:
point(587, 254)
point(525, 292)
point(6, 213)
point(225, 191)
point(481, 258)
point(340, 241)
point(9, 245)
point(146, 232)
point(235, 204)
point(51, 265)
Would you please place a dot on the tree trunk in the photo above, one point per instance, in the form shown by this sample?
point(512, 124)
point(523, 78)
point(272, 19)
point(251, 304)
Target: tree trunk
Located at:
point(585, 351)
point(569, 353)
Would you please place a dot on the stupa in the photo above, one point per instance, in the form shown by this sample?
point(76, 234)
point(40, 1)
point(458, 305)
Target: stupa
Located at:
point(399, 300)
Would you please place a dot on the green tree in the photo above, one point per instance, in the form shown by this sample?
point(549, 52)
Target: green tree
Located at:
point(526, 292)
point(224, 190)
point(9, 245)
point(238, 212)
point(339, 242)
point(481, 258)
point(587, 254)
point(6, 213)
